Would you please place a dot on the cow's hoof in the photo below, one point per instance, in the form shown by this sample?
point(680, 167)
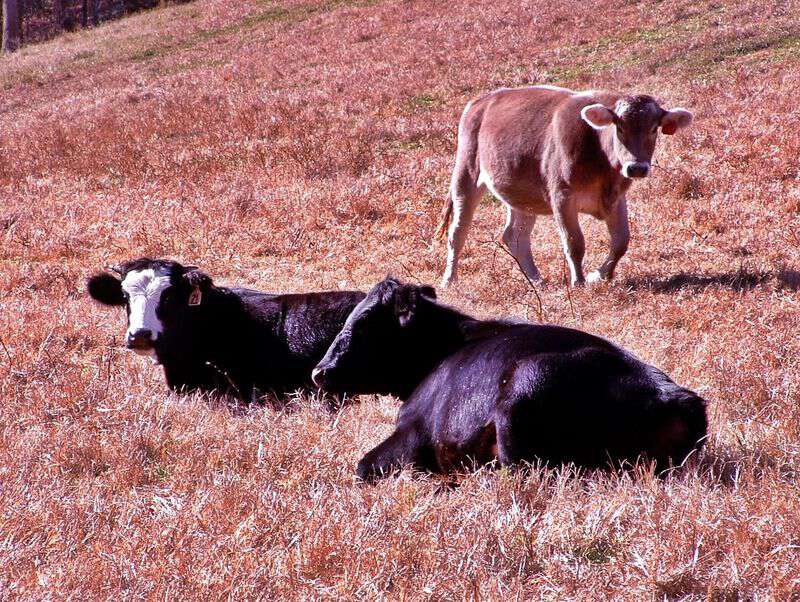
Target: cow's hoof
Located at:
point(595, 277)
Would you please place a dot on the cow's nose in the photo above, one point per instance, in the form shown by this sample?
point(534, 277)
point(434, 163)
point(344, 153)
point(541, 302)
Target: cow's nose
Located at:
point(318, 377)
point(639, 169)
point(141, 339)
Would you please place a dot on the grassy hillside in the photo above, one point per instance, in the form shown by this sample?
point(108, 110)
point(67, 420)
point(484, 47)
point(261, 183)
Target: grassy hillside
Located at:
point(308, 145)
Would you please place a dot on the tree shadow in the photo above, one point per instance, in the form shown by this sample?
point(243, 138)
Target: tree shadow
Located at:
point(738, 280)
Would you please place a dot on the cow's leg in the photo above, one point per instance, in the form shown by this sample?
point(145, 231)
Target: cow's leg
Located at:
point(519, 436)
point(565, 212)
point(517, 238)
point(400, 449)
point(465, 194)
point(619, 235)
point(509, 450)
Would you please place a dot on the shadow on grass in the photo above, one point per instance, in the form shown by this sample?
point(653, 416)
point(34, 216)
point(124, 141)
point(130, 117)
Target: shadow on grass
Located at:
point(724, 466)
point(739, 280)
point(279, 402)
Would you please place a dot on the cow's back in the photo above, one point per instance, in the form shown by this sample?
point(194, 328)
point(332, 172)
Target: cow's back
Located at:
point(529, 136)
point(312, 320)
point(464, 392)
point(285, 335)
point(479, 369)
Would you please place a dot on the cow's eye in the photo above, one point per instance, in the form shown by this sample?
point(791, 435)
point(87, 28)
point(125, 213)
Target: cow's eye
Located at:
point(166, 296)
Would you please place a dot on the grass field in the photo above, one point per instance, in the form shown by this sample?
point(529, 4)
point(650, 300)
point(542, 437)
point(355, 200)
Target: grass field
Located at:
point(307, 145)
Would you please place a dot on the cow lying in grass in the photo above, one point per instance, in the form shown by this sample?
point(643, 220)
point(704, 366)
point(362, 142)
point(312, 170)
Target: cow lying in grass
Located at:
point(476, 390)
point(228, 340)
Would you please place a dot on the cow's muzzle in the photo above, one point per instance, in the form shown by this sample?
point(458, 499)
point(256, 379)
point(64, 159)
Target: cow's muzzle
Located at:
point(636, 169)
point(141, 341)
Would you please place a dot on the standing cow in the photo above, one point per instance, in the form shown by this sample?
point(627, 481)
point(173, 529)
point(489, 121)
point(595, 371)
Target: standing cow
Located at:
point(478, 390)
point(544, 150)
point(213, 338)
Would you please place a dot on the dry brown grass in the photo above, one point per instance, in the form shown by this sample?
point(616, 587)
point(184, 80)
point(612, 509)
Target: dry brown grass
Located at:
point(308, 145)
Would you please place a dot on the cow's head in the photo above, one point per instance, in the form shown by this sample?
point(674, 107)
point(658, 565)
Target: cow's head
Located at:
point(155, 293)
point(366, 355)
point(636, 121)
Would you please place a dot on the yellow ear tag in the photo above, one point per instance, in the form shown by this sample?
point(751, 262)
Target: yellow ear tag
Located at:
point(196, 297)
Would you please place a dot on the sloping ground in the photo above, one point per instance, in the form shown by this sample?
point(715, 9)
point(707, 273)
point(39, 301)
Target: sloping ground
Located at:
point(307, 145)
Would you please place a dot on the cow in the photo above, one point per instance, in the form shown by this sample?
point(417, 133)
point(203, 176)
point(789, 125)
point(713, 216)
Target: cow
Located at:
point(547, 150)
point(209, 338)
point(475, 391)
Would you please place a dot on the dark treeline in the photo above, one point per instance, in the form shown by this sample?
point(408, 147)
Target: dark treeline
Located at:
point(37, 20)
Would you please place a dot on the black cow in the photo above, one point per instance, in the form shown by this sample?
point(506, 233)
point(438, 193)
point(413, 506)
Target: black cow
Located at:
point(475, 390)
point(229, 340)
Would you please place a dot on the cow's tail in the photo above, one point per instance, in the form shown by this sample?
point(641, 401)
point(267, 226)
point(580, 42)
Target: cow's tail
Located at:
point(447, 217)
point(467, 148)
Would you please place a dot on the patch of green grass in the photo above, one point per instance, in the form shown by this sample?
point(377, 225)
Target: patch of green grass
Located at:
point(573, 71)
point(273, 14)
point(737, 48)
point(83, 55)
point(424, 101)
point(140, 48)
point(146, 53)
point(596, 551)
point(402, 146)
point(161, 472)
point(587, 60)
point(25, 75)
point(171, 68)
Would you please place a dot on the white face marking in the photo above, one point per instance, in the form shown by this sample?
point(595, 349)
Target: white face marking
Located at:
point(144, 288)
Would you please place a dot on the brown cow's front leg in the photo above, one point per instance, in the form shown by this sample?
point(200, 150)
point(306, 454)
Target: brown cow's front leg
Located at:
point(565, 212)
point(619, 236)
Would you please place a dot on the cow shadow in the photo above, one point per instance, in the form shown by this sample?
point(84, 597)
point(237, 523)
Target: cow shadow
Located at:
point(715, 465)
point(283, 403)
point(737, 280)
point(724, 466)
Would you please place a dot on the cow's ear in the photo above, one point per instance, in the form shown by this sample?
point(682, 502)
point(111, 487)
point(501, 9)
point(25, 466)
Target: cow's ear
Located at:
point(198, 279)
point(598, 116)
point(674, 120)
point(406, 300)
point(106, 289)
point(200, 283)
point(428, 291)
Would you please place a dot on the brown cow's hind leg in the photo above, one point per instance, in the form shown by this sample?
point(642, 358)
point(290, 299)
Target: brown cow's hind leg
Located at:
point(465, 194)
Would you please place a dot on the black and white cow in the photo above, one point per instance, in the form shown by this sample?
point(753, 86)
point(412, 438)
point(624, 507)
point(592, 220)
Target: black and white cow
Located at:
point(210, 338)
point(475, 391)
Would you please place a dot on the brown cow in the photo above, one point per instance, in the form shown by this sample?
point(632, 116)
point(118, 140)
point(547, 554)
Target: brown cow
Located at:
point(544, 150)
